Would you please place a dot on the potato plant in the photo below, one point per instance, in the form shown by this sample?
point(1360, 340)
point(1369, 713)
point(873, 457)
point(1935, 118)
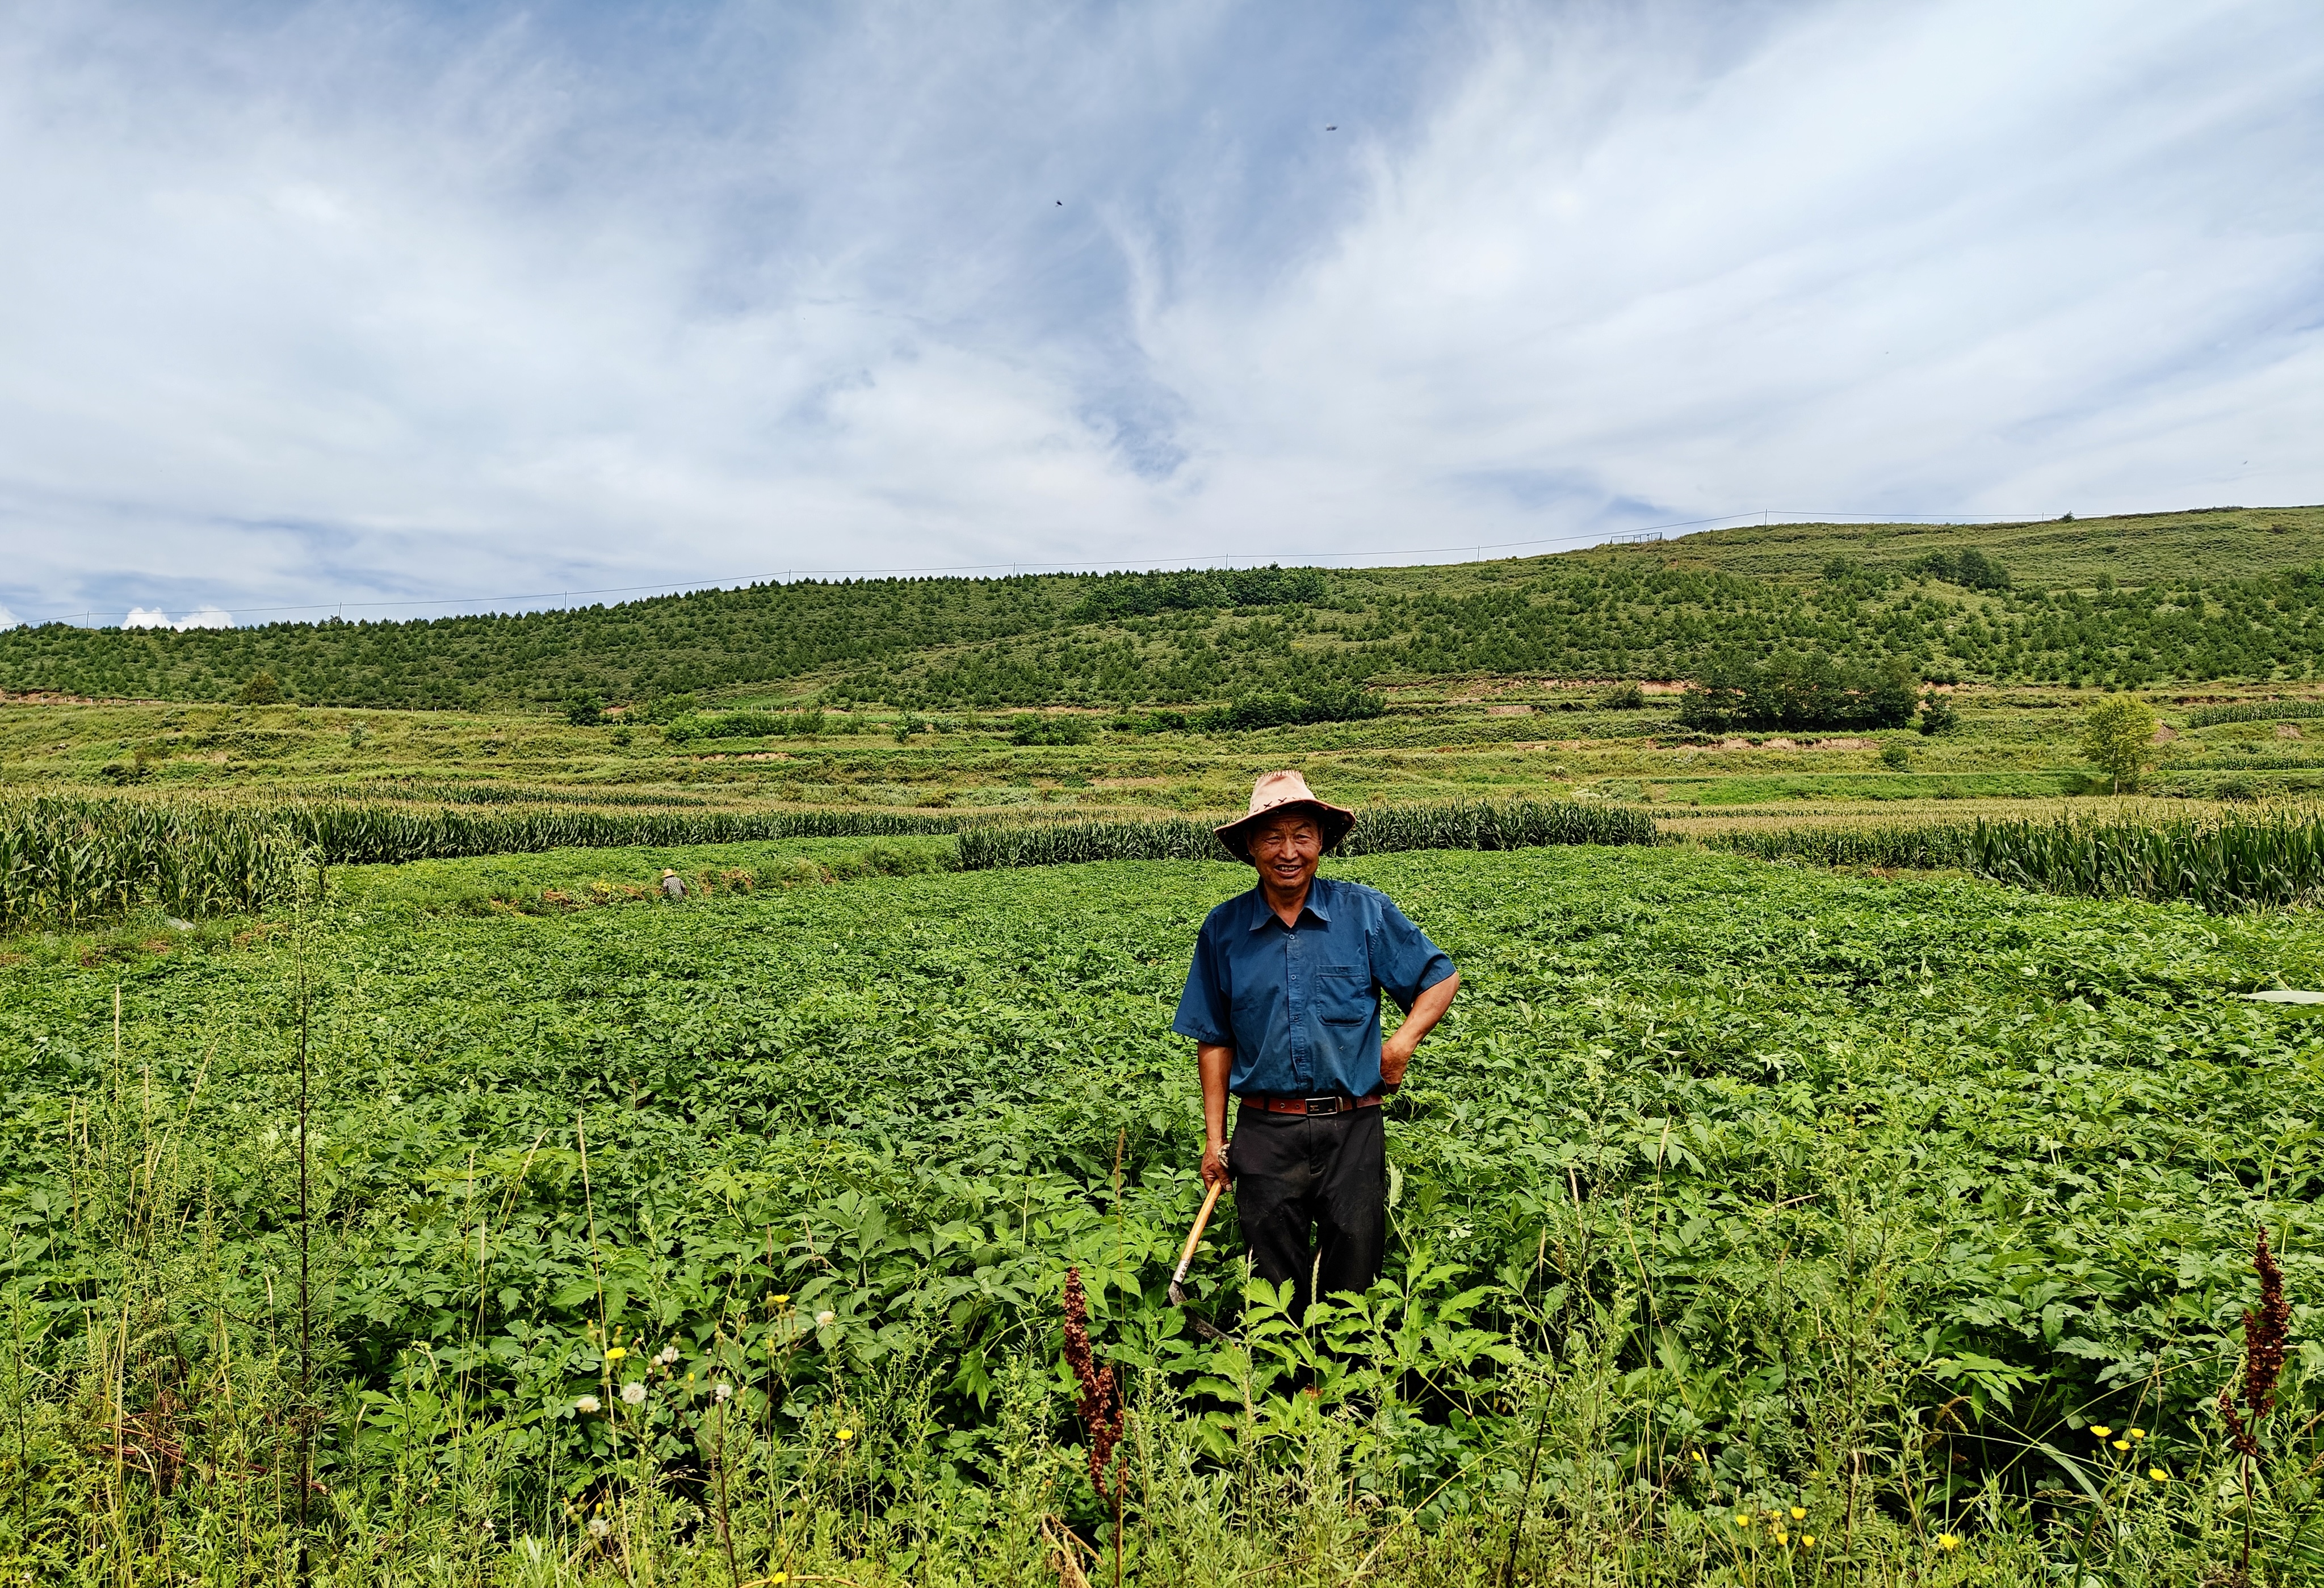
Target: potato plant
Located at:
point(1749, 1224)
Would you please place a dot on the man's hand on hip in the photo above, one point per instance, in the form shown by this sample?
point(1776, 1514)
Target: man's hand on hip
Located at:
point(1395, 1057)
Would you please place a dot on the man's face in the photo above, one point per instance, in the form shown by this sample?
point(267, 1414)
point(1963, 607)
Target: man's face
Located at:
point(1286, 850)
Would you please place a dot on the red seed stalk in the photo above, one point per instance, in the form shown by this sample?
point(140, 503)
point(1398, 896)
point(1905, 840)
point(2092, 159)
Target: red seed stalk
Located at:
point(2265, 1333)
point(1102, 1408)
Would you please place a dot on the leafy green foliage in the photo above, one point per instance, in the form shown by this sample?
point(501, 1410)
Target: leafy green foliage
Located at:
point(1275, 710)
point(2231, 861)
point(2255, 711)
point(1758, 1187)
point(79, 860)
point(1130, 595)
point(1797, 691)
point(1963, 565)
point(1379, 830)
point(1037, 729)
point(2119, 737)
point(1208, 637)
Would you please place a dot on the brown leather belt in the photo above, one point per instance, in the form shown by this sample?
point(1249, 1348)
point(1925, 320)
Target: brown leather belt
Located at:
point(1333, 1103)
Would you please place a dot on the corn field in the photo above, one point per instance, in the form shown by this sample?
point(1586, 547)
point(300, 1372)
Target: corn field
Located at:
point(376, 834)
point(2224, 862)
point(1524, 824)
point(73, 860)
point(2254, 711)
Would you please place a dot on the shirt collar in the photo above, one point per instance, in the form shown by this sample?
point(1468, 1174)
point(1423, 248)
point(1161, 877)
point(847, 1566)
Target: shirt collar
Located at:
point(1319, 904)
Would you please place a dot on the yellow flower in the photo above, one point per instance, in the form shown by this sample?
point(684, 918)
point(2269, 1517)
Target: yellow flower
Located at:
point(1948, 1541)
point(615, 1354)
point(845, 1434)
point(2158, 1475)
point(1807, 1540)
point(2122, 1444)
point(2137, 1433)
point(1742, 1518)
point(1698, 1455)
point(1798, 1515)
point(1779, 1536)
point(779, 1300)
point(2101, 1430)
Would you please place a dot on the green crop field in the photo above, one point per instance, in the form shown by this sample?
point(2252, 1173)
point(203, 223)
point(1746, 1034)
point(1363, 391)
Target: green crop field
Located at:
point(1737, 1204)
point(1851, 1173)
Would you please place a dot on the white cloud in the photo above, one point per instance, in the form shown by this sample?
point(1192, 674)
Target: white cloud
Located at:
point(204, 617)
point(355, 302)
point(8, 619)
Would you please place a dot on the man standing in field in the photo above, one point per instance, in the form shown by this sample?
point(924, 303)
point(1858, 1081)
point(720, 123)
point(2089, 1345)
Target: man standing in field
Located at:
point(1283, 1004)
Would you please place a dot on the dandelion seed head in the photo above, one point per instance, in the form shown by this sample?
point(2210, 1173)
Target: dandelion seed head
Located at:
point(585, 1403)
point(825, 1319)
point(722, 1393)
point(633, 1393)
point(599, 1527)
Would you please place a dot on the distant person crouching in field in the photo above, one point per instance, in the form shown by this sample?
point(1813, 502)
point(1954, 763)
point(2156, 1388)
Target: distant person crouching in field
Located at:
point(1283, 1004)
point(673, 886)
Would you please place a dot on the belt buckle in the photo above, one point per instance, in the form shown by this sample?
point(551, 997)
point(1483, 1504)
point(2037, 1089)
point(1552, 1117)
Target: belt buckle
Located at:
point(1317, 1105)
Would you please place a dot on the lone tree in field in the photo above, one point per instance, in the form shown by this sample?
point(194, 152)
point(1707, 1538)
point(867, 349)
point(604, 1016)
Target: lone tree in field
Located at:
point(2118, 734)
point(261, 690)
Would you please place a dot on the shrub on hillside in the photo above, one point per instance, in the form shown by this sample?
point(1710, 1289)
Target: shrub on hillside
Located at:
point(1797, 691)
point(1137, 595)
point(1040, 730)
point(1276, 709)
point(1966, 567)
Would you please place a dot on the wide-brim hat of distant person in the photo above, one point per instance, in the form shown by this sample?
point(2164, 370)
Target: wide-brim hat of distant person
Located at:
point(1275, 793)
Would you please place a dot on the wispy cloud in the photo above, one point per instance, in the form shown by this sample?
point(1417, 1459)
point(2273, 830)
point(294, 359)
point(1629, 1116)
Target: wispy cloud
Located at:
point(382, 302)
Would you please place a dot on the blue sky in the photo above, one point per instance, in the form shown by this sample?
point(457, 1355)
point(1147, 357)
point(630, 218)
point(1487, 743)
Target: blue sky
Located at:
point(398, 304)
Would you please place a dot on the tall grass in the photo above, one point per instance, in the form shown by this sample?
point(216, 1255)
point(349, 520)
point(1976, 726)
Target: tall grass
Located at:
point(2254, 711)
point(2226, 861)
point(1523, 824)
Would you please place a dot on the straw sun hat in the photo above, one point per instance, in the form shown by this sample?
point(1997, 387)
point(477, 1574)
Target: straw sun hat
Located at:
point(1276, 792)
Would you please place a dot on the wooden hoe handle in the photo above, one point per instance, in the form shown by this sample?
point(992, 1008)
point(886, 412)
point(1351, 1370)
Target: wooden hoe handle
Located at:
point(1194, 1236)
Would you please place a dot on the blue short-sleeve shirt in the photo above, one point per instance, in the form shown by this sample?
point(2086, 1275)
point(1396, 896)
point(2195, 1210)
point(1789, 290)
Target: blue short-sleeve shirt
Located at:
point(1300, 1006)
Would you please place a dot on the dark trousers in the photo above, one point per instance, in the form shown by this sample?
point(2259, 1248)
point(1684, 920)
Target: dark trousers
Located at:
point(1311, 1191)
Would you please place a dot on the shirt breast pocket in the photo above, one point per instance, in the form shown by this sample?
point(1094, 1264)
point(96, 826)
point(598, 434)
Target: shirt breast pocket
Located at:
point(1344, 996)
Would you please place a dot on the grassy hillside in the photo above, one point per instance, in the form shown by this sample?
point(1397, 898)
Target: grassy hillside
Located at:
point(2135, 548)
point(2190, 597)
